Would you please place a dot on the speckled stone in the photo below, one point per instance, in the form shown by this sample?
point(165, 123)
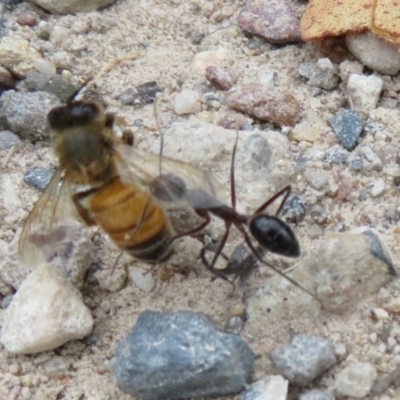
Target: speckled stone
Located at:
point(348, 126)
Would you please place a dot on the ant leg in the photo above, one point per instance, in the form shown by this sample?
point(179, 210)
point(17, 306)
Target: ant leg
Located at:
point(292, 281)
point(233, 186)
point(202, 213)
point(286, 191)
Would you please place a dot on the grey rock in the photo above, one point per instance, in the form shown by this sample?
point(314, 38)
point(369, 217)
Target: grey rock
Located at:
point(317, 395)
point(337, 155)
point(181, 355)
point(377, 54)
point(272, 19)
point(373, 161)
point(140, 95)
point(294, 209)
point(357, 164)
point(8, 140)
point(324, 75)
point(306, 69)
point(347, 126)
point(304, 359)
point(25, 113)
point(38, 177)
point(272, 387)
point(56, 84)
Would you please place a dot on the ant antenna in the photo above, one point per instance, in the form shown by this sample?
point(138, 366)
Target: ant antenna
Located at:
point(161, 134)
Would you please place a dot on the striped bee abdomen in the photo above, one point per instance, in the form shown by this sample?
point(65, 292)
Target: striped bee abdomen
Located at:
point(134, 222)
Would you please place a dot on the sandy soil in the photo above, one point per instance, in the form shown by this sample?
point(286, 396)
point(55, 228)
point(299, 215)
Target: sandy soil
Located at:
point(161, 31)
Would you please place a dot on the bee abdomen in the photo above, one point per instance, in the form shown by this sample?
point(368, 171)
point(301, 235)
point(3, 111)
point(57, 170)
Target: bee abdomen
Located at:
point(132, 220)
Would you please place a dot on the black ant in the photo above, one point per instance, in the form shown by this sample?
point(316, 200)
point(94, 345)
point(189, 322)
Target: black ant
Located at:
point(270, 232)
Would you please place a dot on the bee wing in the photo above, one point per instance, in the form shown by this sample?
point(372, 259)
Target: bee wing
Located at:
point(48, 224)
point(179, 184)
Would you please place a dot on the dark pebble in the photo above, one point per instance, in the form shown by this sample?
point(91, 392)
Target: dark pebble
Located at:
point(198, 36)
point(140, 95)
point(294, 209)
point(8, 140)
point(179, 355)
point(38, 177)
point(25, 113)
point(56, 84)
point(348, 126)
point(303, 359)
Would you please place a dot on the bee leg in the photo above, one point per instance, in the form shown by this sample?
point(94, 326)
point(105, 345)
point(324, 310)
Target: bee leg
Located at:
point(200, 212)
point(83, 211)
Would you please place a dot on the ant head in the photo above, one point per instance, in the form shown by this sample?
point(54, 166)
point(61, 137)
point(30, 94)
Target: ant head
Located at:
point(275, 235)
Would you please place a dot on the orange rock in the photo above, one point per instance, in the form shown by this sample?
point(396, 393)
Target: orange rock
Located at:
point(324, 18)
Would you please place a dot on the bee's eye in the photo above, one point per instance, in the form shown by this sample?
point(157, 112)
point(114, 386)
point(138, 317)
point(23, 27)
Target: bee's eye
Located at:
point(84, 111)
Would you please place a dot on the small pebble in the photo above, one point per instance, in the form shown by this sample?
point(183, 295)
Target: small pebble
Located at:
point(373, 337)
point(393, 305)
point(316, 179)
point(140, 95)
point(17, 55)
point(373, 161)
point(25, 113)
point(347, 126)
point(28, 18)
point(304, 359)
point(324, 75)
point(273, 20)
point(337, 155)
point(391, 341)
point(267, 103)
point(178, 355)
point(304, 131)
point(380, 314)
point(32, 322)
point(357, 164)
point(306, 69)
point(72, 6)
point(187, 102)
point(260, 149)
point(6, 79)
point(221, 78)
point(142, 279)
point(272, 387)
point(8, 140)
point(294, 209)
point(38, 177)
point(315, 231)
point(377, 54)
point(318, 214)
point(364, 91)
point(205, 59)
point(356, 380)
point(317, 395)
point(52, 83)
point(378, 188)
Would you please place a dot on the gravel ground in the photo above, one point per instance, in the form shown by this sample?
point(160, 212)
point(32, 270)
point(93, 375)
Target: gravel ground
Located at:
point(163, 33)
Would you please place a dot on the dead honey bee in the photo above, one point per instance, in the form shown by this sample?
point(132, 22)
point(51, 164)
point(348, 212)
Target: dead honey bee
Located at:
point(104, 181)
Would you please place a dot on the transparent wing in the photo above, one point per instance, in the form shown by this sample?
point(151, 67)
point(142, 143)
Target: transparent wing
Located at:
point(179, 184)
point(49, 224)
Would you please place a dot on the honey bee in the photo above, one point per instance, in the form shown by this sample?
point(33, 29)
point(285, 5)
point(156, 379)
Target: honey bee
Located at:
point(103, 180)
